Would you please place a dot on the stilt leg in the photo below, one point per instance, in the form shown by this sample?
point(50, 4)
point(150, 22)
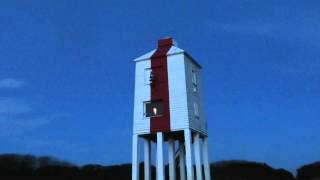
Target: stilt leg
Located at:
point(172, 164)
point(206, 159)
point(135, 158)
point(182, 161)
point(160, 165)
point(197, 153)
point(147, 159)
point(187, 137)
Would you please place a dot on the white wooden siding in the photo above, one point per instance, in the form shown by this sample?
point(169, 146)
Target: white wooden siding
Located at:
point(177, 92)
point(196, 123)
point(142, 93)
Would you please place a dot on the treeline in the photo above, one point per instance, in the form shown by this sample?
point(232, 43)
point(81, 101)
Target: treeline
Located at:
point(244, 170)
point(28, 166)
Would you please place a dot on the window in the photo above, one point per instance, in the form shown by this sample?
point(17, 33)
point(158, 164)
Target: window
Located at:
point(147, 75)
point(194, 77)
point(194, 88)
point(194, 81)
point(153, 108)
point(196, 109)
point(153, 75)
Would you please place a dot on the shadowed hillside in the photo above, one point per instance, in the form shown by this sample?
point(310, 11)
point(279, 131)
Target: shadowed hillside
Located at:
point(244, 170)
point(309, 172)
point(12, 165)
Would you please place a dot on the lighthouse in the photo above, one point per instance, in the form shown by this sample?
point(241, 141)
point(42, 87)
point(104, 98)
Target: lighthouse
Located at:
point(169, 115)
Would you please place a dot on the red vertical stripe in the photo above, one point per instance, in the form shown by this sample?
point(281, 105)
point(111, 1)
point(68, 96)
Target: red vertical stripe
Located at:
point(160, 88)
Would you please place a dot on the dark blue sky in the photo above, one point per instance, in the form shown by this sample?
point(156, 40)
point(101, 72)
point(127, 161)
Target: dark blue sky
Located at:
point(67, 75)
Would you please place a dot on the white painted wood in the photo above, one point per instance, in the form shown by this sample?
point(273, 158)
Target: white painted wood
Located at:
point(182, 161)
point(135, 157)
point(175, 50)
point(188, 145)
point(142, 93)
point(197, 123)
point(146, 56)
point(206, 159)
point(203, 119)
point(147, 159)
point(197, 153)
point(160, 162)
point(177, 92)
point(172, 164)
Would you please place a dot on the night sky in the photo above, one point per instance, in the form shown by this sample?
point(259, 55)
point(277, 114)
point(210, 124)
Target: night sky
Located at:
point(67, 75)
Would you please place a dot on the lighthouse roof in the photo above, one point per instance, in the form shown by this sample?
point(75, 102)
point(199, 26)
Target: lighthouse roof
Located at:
point(173, 51)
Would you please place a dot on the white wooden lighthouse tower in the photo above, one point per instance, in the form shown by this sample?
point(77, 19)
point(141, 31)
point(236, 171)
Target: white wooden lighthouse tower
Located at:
point(168, 108)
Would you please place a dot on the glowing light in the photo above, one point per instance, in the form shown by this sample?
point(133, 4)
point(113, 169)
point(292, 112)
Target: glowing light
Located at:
point(155, 110)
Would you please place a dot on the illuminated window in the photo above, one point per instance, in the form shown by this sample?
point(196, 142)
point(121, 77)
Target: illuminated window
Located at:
point(154, 108)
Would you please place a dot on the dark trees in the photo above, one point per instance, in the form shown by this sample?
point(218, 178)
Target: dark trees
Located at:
point(309, 172)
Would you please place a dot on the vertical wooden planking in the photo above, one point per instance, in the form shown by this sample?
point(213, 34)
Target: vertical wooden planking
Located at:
point(177, 92)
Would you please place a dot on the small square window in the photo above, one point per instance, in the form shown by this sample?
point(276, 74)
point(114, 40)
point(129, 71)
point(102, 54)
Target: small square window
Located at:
point(194, 81)
point(194, 88)
point(196, 109)
point(147, 75)
point(153, 108)
point(194, 77)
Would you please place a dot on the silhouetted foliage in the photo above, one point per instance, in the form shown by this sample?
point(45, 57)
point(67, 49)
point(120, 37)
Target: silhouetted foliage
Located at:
point(309, 172)
point(234, 170)
point(17, 164)
point(12, 165)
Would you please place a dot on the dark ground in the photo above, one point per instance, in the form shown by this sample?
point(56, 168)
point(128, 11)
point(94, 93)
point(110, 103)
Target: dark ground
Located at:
point(13, 166)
